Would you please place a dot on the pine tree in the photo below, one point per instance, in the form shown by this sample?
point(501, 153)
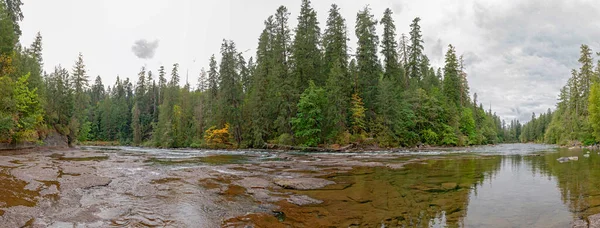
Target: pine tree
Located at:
point(586, 73)
point(308, 123)
point(230, 90)
point(452, 81)
point(284, 92)
point(335, 42)
point(202, 81)
point(337, 102)
point(162, 84)
point(80, 85)
point(9, 36)
point(213, 92)
point(415, 53)
point(259, 101)
point(367, 61)
point(389, 49)
point(306, 53)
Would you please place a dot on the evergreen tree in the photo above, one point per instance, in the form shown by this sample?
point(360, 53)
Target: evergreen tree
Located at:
point(306, 53)
point(415, 53)
point(389, 49)
point(452, 81)
point(335, 43)
point(259, 101)
point(337, 103)
point(230, 90)
point(284, 93)
point(367, 60)
point(308, 123)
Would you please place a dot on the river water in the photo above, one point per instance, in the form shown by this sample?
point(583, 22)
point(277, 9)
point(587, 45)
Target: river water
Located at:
point(512, 185)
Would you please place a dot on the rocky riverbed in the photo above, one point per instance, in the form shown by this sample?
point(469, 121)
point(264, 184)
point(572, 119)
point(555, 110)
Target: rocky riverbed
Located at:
point(135, 187)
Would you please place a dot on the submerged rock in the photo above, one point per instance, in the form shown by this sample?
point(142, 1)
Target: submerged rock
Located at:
point(303, 183)
point(594, 221)
point(449, 186)
point(579, 224)
point(302, 200)
point(566, 159)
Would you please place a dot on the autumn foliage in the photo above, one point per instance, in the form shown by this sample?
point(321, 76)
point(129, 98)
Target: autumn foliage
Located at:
point(218, 138)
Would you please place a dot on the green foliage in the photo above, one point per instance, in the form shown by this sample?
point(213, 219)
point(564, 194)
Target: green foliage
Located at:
point(449, 137)
point(305, 54)
point(309, 121)
point(594, 110)
point(416, 50)
point(451, 78)
point(8, 37)
point(336, 110)
point(467, 125)
point(357, 119)
point(430, 137)
point(367, 60)
point(245, 104)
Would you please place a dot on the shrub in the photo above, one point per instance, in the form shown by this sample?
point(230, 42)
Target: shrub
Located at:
point(218, 138)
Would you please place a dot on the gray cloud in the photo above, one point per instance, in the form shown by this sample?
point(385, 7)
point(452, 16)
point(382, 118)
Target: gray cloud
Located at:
point(529, 50)
point(144, 49)
point(397, 7)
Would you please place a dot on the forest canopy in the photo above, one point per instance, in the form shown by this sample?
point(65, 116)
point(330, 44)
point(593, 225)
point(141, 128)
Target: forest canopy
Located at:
point(303, 86)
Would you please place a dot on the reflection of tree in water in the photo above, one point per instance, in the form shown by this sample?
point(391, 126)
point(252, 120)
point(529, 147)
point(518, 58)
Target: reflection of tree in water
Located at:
point(434, 193)
point(578, 181)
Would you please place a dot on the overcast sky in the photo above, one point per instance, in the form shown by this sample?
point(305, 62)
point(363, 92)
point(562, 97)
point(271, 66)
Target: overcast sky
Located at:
point(518, 53)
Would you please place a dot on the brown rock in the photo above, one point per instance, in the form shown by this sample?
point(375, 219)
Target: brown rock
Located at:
point(449, 186)
point(303, 183)
point(302, 200)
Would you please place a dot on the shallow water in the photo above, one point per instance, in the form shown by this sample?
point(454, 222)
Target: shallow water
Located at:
point(513, 185)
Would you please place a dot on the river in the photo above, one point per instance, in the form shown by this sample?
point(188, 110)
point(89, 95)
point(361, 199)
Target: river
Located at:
point(511, 185)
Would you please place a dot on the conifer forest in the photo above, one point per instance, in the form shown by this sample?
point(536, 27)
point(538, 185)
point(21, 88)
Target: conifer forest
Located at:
point(302, 87)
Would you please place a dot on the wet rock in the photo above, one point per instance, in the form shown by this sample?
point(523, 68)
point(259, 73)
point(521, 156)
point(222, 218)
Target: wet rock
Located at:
point(52, 190)
point(263, 195)
point(303, 183)
point(38, 172)
point(594, 221)
point(84, 181)
point(395, 166)
point(254, 182)
point(449, 186)
point(302, 200)
point(566, 159)
point(579, 224)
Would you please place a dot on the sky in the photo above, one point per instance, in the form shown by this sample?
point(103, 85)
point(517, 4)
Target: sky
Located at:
point(518, 54)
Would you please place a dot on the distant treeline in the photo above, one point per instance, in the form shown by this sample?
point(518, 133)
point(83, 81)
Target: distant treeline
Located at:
point(577, 115)
point(302, 87)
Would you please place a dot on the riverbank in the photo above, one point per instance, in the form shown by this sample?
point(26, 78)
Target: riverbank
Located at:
point(127, 186)
point(322, 148)
point(98, 188)
point(52, 140)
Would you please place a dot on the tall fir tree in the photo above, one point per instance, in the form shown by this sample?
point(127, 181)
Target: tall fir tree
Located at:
point(415, 52)
point(306, 53)
point(369, 69)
